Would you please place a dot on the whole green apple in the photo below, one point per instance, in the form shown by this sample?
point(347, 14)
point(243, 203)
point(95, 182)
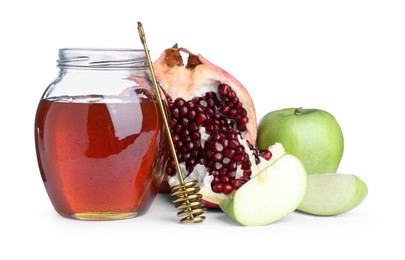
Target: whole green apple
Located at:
point(312, 135)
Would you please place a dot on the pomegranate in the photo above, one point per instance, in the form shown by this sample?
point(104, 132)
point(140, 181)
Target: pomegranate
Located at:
point(213, 125)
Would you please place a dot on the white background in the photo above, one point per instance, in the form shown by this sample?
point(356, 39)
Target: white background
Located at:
point(346, 57)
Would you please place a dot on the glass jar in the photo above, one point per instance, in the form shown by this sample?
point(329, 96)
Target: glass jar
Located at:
point(99, 135)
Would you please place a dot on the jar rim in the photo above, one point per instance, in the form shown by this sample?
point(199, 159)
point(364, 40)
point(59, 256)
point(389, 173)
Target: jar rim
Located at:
point(102, 58)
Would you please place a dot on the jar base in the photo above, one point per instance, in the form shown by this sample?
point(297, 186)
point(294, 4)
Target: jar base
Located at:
point(103, 215)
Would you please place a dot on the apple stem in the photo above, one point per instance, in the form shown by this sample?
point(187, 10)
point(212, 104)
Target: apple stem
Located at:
point(298, 111)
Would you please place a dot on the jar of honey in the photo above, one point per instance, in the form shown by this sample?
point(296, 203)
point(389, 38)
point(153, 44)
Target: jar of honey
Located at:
point(99, 135)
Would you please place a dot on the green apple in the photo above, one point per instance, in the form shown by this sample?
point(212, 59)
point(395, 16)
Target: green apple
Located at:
point(332, 194)
point(312, 135)
point(271, 195)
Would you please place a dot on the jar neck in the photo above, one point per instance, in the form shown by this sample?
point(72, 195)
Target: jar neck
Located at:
point(101, 59)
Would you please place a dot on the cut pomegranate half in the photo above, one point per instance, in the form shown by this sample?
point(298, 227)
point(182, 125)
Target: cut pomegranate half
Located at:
point(212, 122)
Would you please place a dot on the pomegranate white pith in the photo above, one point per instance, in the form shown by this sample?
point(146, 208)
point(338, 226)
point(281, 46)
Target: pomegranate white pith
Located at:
point(213, 125)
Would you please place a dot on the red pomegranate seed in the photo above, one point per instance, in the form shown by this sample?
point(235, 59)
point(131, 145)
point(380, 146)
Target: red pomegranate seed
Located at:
point(200, 118)
point(224, 110)
point(183, 122)
point(236, 184)
point(191, 115)
point(217, 157)
point(266, 154)
point(244, 120)
point(233, 144)
point(224, 179)
point(225, 161)
point(223, 89)
point(223, 171)
point(227, 188)
point(218, 147)
point(218, 187)
point(215, 180)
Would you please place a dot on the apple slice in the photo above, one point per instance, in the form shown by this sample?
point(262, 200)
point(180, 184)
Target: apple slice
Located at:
point(332, 194)
point(271, 195)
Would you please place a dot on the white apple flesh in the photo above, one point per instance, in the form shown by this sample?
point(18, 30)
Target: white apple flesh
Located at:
point(270, 196)
point(332, 194)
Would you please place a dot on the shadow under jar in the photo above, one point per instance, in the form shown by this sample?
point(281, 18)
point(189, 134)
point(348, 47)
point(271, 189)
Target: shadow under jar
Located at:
point(99, 135)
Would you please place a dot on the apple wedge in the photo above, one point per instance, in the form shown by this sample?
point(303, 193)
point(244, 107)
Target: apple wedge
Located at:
point(332, 194)
point(271, 195)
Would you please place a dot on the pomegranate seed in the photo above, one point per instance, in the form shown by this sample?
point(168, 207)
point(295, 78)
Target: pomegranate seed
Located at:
point(172, 123)
point(218, 147)
point(175, 138)
point(211, 102)
point(201, 160)
point(224, 179)
point(232, 166)
point(238, 158)
point(190, 162)
point(183, 111)
point(197, 144)
point(244, 179)
point(189, 145)
point(194, 135)
point(191, 115)
point(210, 111)
point(232, 135)
point(246, 165)
point(236, 184)
point(232, 112)
point(216, 137)
point(244, 120)
point(190, 104)
point(215, 173)
point(247, 172)
point(240, 149)
point(227, 188)
point(208, 153)
point(192, 127)
point(200, 118)
point(257, 160)
point(218, 187)
point(194, 152)
point(179, 144)
point(183, 122)
point(185, 156)
point(175, 113)
point(217, 157)
point(225, 161)
point(179, 102)
point(218, 166)
point(223, 89)
point(203, 103)
point(265, 154)
point(233, 144)
point(231, 174)
point(215, 180)
point(241, 128)
point(224, 110)
point(223, 171)
point(184, 133)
